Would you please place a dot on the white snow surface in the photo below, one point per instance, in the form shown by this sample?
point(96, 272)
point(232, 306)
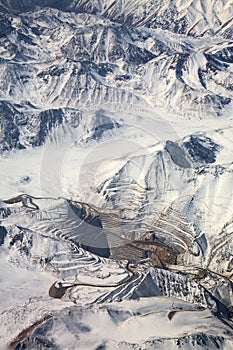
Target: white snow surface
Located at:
point(124, 107)
point(66, 168)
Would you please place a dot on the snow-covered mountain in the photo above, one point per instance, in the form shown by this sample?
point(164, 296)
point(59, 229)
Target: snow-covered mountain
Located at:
point(121, 55)
point(116, 171)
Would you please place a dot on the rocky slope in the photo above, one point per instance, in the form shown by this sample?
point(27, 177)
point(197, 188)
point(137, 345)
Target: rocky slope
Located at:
point(116, 161)
point(116, 55)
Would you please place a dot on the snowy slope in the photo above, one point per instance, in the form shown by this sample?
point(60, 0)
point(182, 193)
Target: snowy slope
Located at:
point(116, 174)
point(53, 61)
point(140, 188)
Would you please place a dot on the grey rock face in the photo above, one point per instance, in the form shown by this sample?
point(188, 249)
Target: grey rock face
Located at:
point(202, 149)
point(9, 118)
point(177, 154)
